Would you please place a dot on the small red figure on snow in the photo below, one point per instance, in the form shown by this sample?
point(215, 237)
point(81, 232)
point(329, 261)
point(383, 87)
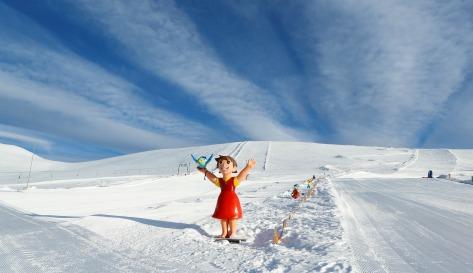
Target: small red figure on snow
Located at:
point(295, 192)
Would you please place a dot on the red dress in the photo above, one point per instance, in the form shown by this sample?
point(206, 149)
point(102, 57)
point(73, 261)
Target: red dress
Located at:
point(295, 194)
point(228, 204)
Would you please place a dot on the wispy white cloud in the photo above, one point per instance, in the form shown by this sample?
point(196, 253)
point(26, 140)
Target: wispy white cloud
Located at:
point(384, 69)
point(160, 38)
point(73, 116)
point(375, 73)
point(454, 129)
point(16, 134)
point(37, 71)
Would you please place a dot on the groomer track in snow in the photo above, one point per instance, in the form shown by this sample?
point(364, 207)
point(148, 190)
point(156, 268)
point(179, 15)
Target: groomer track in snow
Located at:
point(408, 225)
point(29, 245)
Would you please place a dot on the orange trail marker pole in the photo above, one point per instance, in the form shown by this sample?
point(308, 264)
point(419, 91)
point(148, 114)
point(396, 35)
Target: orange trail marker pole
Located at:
point(276, 237)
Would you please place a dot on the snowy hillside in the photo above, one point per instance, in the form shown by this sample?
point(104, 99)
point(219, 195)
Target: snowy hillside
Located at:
point(372, 211)
point(16, 159)
point(273, 157)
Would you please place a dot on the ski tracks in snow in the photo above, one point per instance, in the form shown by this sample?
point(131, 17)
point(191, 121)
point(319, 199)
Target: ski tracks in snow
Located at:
point(236, 152)
point(441, 161)
point(408, 162)
point(408, 225)
point(30, 245)
point(266, 157)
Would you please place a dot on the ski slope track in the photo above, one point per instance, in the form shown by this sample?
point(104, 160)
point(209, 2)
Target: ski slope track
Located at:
point(408, 225)
point(372, 211)
point(31, 245)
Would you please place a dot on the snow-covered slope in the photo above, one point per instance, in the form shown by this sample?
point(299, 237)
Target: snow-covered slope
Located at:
point(408, 225)
point(163, 162)
point(16, 159)
point(464, 165)
point(273, 157)
point(134, 213)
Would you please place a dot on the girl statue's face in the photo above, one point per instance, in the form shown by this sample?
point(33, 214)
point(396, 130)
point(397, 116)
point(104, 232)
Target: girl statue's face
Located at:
point(226, 166)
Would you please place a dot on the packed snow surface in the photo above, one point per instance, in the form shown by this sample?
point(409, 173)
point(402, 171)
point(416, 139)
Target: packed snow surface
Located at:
point(408, 225)
point(151, 211)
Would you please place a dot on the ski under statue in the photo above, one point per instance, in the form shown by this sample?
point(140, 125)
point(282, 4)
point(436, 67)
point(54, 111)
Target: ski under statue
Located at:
point(231, 240)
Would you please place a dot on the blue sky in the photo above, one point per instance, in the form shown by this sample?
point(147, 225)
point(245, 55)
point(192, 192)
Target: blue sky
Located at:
point(86, 79)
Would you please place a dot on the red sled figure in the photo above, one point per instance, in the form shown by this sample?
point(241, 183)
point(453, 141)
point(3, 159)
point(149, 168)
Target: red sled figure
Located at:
point(295, 193)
